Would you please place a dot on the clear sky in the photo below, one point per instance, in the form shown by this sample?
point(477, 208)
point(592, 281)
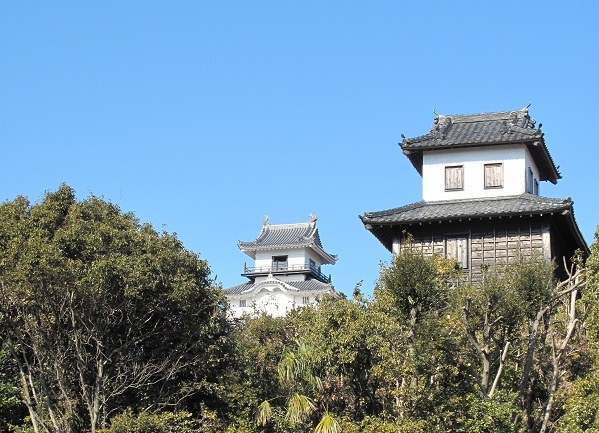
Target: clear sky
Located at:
point(202, 117)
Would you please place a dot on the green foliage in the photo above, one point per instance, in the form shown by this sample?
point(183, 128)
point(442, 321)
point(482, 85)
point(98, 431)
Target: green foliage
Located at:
point(264, 413)
point(390, 365)
point(582, 407)
point(382, 424)
point(591, 293)
point(101, 312)
point(164, 422)
point(252, 377)
point(84, 285)
point(12, 411)
point(416, 281)
point(353, 348)
point(299, 408)
point(328, 424)
point(489, 415)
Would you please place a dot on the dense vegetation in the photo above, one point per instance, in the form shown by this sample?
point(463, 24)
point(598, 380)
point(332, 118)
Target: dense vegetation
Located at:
point(110, 326)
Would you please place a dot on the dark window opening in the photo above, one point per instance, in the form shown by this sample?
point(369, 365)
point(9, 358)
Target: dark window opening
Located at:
point(529, 181)
point(279, 263)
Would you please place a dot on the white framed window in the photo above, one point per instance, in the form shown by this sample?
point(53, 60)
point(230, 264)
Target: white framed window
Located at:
point(456, 247)
point(454, 178)
point(242, 303)
point(494, 175)
point(306, 300)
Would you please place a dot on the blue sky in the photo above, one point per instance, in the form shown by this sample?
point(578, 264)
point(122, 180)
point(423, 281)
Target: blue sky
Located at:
point(203, 117)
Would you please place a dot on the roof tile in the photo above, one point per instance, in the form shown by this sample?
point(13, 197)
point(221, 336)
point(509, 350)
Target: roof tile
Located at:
point(301, 286)
point(467, 208)
point(282, 236)
point(466, 130)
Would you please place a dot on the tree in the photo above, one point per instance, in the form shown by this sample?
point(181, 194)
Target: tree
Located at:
point(520, 315)
point(296, 372)
point(581, 402)
point(259, 343)
point(419, 288)
point(12, 411)
point(101, 312)
point(496, 310)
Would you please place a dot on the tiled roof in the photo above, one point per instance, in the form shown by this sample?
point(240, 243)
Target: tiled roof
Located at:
point(299, 286)
point(284, 236)
point(467, 130)
point(384, 224)
point(505, 126)
point(421, 211)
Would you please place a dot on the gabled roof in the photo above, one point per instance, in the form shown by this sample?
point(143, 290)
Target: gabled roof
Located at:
point(292, 286)
point(484, 129)
point(451, 210)
point(287, 236)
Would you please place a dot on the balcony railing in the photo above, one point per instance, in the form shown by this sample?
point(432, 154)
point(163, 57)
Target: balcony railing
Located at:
point(287, 268)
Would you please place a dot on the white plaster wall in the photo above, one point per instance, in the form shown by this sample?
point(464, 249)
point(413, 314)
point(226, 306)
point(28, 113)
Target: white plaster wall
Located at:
point(515, 159)
point(530, 163)
point(271, 300)
point(310, 254)
point(275, 302)
point(292, 277)
point(295, 257)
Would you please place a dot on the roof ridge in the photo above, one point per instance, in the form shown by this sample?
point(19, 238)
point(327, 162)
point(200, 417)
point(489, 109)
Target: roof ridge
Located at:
point(302, 224)
point(490, 115)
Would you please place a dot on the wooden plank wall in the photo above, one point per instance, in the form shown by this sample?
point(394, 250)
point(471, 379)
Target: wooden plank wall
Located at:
point(490, 242)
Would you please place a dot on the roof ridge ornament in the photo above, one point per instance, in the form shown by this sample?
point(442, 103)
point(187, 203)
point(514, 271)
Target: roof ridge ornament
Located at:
point(265, 221)
point(312, 217)
point(441, 126)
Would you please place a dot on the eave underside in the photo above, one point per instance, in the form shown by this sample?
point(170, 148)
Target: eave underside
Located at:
point(562, 225)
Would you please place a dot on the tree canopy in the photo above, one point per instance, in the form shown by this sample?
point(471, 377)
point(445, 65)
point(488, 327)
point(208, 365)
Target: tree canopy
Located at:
point(99, 311)
point(107, 324)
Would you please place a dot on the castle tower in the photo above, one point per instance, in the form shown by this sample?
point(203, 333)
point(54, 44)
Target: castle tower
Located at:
point(481, 200)
point(286, 272)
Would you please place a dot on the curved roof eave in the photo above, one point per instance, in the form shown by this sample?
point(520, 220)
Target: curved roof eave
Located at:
point(328, 259)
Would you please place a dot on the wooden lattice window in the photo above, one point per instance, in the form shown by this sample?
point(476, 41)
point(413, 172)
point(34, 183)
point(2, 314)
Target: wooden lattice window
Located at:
point(454, 178)
point(494, 175)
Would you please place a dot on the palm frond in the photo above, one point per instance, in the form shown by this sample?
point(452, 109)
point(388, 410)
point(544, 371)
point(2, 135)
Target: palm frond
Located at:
point(289, 367)
point(299, 407)
point(264, 413)
point(328, 424)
